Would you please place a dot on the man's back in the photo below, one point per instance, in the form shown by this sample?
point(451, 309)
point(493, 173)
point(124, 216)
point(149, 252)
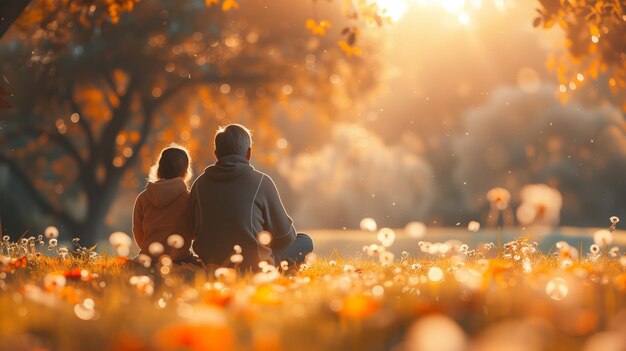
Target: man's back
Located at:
point(230, 204)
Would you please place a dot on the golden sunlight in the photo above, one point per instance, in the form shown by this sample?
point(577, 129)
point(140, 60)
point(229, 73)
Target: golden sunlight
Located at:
point(395, 9)
point(460, 9)
point(453, 5)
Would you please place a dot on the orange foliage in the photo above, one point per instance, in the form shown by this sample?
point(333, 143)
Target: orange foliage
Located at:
point(317, 28)
point(349, 49)
point(227, 5)
point(52, 13)
point(595, 32)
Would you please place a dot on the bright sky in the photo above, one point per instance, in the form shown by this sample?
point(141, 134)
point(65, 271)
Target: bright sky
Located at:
point(461, 9)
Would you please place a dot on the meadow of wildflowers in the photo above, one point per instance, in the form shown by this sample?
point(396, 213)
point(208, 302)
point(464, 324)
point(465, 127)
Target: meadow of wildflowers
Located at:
point(445, 296)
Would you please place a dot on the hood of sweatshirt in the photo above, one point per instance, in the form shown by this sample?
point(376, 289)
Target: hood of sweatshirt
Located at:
point(162, 192)
point(228, 167)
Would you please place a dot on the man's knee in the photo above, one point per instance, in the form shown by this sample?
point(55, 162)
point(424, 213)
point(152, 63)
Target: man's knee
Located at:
point(306, 242)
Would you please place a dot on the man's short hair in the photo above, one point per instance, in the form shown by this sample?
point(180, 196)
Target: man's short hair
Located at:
point(234, 139)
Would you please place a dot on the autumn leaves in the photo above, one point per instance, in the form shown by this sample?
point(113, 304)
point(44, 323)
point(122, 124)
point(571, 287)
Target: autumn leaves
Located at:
point(371, 13)
point(226, 5)
point(347, 46)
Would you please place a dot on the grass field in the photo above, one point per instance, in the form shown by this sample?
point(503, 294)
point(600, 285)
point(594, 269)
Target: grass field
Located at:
point(433, 295)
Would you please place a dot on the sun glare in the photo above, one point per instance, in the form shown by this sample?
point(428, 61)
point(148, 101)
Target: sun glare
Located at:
point(393, 8)
point(453, 5)
point(464, 18)
point(460, 9)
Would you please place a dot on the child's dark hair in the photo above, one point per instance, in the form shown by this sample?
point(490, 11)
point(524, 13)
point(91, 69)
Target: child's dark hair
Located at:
point(174, 161)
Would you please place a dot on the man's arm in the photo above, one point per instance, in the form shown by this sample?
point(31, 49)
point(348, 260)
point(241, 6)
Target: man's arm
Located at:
point(195, 215)
point(190, 217)
point(276, 219)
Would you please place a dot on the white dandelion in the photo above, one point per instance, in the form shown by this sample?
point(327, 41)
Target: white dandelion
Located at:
point(264, 238)
point(603, 238)
point(118, 239)
point(51, 232)
point(368, 225)
point(473, 226)
point(156, 248)
point(175, 241)
point(386, 236)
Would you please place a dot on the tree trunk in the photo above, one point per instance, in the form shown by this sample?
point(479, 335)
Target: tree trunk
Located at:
point(10, 10)
point(91, 226)
point(99, 203)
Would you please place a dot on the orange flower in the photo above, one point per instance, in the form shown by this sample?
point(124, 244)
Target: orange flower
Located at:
point(71, 295)
point(216, 297)
point(78, 273)
point(19, 262)
point(266, 295)
point(357, 306)
point(128, 342)
point(122, 260)
point(195, 337)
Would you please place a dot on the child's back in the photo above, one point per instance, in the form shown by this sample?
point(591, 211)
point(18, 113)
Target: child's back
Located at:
point(162, 210)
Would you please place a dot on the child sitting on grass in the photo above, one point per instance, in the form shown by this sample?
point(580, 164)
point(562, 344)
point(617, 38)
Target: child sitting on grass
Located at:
point(161, 220)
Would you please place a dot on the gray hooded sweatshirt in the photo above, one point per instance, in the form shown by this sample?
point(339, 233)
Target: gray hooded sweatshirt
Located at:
point(230, 203)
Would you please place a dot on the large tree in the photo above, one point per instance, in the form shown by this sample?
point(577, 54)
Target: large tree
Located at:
point(90, 94)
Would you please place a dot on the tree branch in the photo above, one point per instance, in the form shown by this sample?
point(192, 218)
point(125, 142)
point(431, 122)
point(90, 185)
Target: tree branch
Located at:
point(86, 168)
point(42, 202)
point(84, 124)
point(203, 79)
point(149, 109)
point(112, 86)
point(120, 117)
point(110, 81)
point(55, 136)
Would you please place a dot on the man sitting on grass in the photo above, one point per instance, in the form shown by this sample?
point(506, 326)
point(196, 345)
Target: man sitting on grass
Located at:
point(232, 203)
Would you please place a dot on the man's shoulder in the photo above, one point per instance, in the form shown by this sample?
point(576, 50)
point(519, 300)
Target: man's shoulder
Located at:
point(267, 183)
point(262, 175)
point(251, 176)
